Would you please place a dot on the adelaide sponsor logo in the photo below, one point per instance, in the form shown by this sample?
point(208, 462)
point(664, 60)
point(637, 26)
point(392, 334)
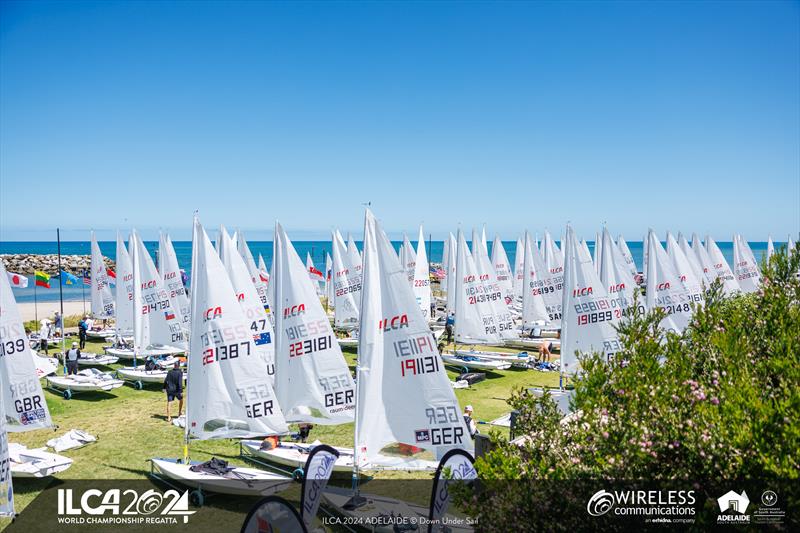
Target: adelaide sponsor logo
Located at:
point(732, 508)
point(118, 506)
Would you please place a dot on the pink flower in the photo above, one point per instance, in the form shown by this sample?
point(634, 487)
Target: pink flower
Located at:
point(715, 400)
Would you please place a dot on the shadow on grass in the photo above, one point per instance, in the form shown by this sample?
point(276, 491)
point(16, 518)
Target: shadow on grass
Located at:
point(87, 396)
point(28, 485)
point(144, 472)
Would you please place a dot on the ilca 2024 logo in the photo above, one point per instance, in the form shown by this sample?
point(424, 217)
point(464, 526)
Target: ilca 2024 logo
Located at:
point(123, 506)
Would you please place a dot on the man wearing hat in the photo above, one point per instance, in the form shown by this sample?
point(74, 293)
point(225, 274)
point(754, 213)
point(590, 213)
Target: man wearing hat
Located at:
point(471, 425)
point(71, 357)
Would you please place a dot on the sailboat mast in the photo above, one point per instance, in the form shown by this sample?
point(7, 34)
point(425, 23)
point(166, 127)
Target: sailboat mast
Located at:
point(356, 454)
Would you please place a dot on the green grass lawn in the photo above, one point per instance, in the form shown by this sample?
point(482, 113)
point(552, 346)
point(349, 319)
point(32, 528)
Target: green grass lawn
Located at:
point(131, 428)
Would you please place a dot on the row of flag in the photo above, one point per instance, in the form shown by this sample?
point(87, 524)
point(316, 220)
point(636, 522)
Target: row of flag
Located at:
point(42, 279)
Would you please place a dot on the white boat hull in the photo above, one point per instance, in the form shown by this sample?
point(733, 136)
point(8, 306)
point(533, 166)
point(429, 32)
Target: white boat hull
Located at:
point(130, 373)
point(475, 364)
point(93, 359)
point(295, 455)
point(243, 481)
point(101, 333)
point(513, 359)
point(129, 353)
point(78, 385)
point(36, 463)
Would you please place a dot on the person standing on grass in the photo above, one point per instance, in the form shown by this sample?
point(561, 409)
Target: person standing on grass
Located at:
point(71, 359)
point(44, 334)
point(57, 321)
point(470, 422)
point(83, 327)
point(449, 325)
point(173, 386)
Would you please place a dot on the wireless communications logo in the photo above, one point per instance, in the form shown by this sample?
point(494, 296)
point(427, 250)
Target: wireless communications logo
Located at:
point(654, 505)
point(116, 506)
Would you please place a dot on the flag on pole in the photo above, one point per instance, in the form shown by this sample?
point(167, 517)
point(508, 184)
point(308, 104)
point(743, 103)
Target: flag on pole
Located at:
point(68, 279)
point(17, 280)
point(42, 279)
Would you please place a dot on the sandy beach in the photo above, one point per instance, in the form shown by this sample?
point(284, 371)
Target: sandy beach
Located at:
point(38, 311)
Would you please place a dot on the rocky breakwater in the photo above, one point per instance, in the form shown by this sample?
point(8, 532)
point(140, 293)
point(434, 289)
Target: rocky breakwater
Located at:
point(28, 263)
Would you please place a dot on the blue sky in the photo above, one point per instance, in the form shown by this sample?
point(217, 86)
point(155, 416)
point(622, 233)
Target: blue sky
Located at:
point(671, 115)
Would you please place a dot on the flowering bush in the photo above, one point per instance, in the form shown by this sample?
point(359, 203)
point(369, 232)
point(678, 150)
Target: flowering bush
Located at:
point(719, 401)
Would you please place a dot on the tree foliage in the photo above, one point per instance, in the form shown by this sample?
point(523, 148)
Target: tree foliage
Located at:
point(719, 401)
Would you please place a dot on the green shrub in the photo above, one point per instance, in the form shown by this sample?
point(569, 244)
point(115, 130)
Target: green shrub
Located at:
point(720, 401)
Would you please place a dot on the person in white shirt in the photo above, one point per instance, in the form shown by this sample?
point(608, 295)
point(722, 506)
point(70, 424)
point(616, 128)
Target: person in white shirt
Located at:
point(44, 334)
point(471, 425)
point(71, 357)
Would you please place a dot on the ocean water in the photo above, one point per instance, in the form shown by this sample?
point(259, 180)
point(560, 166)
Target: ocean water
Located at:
point(317, 249)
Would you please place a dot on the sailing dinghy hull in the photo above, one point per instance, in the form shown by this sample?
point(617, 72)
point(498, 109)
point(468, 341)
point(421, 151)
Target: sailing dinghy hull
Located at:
point(243, 481)
point(294, 455)
point(130, 373)
point(475, 363)
point(78, 385)
point(93, 359)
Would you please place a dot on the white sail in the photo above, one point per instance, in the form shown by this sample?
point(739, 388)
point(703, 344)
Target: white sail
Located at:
point(346, 286)
point(627, 255)
point(666, 290)
point(723, 271)
point(615, 275)
point(550, 281)
point(230, 395)
point(312, 380)
point(770, 247)
point(505, 278)
point(263, 273)
point(24, 406)
point(703, 260)
point(553, 256)
point(314, 274)
point(354, 256)
point(590, 315)
point(700, 272)
point(102, 299)
point(171, 275)
point(790, 245)
point(519, 269)
point(123, 294)
point(258, 274)
point(408, 258)
point(6, 484)
point(329, 278)
point(404, 394)
point(422, 278)
point(585, 247)
point(445, 266)
point(258, 322)
point(474, 319)
point(691, 276)
point(745, 267)
point(598, 251)
point(493, 292)
point(155, 320)
point(534, 308)
point(451, 273)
